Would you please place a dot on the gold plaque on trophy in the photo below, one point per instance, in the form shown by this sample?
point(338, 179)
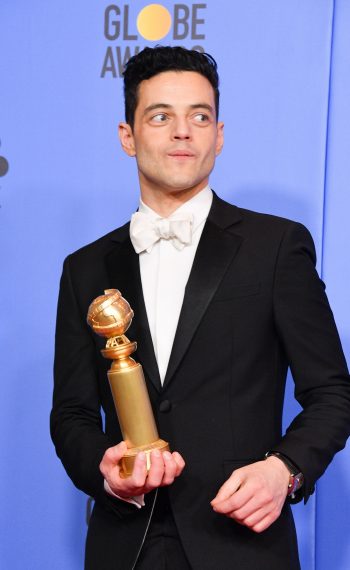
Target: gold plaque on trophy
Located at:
point(110, 316)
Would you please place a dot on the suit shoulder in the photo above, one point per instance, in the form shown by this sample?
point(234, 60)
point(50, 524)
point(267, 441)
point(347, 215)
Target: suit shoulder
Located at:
point(100, 246)
point(258, 219)
point(261, 228)
point(271, 220)
point(278, 234)
point(273, 225)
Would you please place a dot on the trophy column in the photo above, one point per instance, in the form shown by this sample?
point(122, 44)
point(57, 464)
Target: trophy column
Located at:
point(110, 316)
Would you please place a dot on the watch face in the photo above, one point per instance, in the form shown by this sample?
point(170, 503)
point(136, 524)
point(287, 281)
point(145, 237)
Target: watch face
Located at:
point(295, 483)
point(300, 480)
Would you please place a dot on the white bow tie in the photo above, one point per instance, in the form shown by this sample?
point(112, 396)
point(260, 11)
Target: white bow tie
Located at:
point(145, 231)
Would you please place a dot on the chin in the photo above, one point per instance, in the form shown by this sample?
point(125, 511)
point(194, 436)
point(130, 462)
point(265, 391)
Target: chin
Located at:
point(182, 184)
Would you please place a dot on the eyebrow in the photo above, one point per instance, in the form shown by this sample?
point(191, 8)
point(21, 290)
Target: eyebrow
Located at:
point(156, 106)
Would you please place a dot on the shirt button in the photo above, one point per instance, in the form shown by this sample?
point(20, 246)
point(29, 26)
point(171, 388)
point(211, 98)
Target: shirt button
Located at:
point(165, 406)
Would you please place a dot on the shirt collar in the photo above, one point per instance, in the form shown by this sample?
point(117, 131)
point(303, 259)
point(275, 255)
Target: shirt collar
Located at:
point(198, 206)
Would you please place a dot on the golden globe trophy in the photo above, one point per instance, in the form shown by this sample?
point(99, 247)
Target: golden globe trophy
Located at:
point(110, 316)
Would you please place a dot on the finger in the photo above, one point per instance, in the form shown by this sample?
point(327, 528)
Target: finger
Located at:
point(112, 457)
point(257, 517)
point(249, 509)
point(264, 523)
point(180, 463)
point(156, 471)
point(250, 514)
point(170, 468)
point(227, 489)
point(239, 499)
point(139, 472)
point(129, 486)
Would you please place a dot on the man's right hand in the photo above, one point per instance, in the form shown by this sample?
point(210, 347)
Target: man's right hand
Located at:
point(165, 467)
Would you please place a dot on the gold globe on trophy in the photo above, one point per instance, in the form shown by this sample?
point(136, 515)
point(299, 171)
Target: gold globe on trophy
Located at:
point(110, 316)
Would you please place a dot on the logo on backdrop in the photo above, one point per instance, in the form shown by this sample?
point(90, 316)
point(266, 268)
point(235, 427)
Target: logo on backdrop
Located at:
point(182, 24)
point(4, 165)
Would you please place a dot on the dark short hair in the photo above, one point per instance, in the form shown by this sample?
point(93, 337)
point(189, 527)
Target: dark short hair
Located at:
point(151, 61)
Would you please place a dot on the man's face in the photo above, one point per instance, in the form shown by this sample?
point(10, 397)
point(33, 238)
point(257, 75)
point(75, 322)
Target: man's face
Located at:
point(175, 137)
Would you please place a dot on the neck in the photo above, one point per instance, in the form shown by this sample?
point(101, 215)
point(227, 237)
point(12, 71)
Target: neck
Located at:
point(166, 203)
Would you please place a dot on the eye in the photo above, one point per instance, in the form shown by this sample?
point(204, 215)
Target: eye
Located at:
point(159, 118)
point(201, 118)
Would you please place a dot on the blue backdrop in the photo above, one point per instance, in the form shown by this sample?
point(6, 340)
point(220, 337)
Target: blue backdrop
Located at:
point(285, 86)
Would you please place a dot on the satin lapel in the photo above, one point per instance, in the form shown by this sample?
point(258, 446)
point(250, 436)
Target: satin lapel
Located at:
point(124, 272)
point(216, 250)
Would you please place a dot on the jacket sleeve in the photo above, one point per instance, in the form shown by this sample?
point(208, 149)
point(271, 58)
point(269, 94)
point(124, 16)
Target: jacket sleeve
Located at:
point(76, 422)
point(308, 333)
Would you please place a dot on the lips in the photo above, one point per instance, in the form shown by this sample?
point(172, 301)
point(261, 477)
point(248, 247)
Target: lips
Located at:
point(181, 154)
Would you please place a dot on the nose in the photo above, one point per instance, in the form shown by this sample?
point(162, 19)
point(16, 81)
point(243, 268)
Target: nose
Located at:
point(181, 129)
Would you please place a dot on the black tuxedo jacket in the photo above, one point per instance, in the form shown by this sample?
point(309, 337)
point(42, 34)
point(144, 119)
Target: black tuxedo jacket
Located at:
point(253, 306)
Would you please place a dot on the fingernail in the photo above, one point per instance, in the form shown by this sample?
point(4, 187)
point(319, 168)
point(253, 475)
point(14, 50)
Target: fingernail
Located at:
point(167, 455)
point(156, 453)
point(142, 455)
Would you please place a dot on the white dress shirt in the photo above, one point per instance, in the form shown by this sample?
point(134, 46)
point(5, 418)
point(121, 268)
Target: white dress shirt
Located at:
point(164, 274)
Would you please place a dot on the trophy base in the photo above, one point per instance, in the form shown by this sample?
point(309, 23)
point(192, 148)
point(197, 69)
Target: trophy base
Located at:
point(127, 462)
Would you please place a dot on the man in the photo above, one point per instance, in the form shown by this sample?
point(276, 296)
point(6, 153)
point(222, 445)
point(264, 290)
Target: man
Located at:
point(224, 300)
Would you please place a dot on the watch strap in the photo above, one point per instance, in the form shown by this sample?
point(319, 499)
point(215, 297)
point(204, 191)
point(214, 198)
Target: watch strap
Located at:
point(296, 478)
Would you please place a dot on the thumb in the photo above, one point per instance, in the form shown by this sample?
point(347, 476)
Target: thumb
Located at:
point(228, 488)
point(114, 454)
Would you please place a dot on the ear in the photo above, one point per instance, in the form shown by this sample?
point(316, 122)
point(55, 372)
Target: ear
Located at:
point(219, 137)
point(127, 139)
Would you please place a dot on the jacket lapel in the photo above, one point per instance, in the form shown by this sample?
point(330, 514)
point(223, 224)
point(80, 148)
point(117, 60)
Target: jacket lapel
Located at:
point(216, 250)
point(124, 272)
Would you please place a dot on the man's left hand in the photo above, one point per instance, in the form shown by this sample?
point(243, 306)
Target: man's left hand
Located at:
point(254, 495)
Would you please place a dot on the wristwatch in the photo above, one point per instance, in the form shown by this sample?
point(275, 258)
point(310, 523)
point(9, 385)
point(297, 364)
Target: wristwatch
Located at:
point(296, 478)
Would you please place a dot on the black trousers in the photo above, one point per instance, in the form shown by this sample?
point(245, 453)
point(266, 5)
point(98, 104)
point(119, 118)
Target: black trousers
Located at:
point(162, 549)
